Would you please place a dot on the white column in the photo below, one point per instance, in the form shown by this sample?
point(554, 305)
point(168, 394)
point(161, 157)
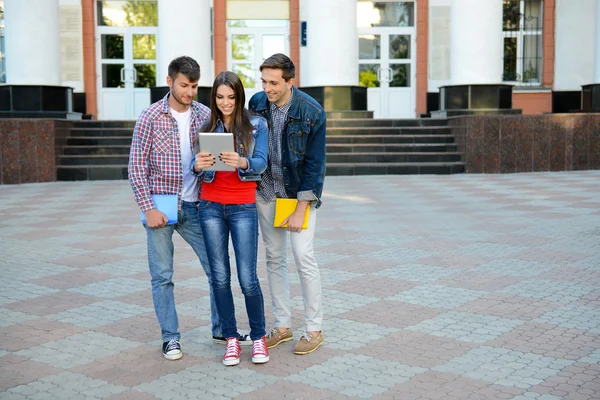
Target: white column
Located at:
point(476, 42)
point(597, 59)
point(184, 30)
point(32, 36)
point(330, 57)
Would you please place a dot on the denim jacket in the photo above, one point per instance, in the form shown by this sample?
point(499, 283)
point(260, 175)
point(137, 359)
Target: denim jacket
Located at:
point(257, 153)
point(303, 144)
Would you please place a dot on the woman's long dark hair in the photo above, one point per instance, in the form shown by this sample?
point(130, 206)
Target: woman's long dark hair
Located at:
point(241, 127)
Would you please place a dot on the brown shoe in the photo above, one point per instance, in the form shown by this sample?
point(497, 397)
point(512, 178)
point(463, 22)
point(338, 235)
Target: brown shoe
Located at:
point(274, 337)
point(308, 343)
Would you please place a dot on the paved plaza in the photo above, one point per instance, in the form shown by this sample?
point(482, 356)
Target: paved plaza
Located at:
point(434, 287)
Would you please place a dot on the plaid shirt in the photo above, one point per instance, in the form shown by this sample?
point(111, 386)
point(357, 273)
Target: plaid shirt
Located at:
point(272, 185)
point(155, 155)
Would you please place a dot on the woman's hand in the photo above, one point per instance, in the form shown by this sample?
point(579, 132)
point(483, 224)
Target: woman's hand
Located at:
point(234, 160)
point(203, 160)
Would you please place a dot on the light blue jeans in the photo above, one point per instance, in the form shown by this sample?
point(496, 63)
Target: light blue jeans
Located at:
point(218, 221)
point(160, 261)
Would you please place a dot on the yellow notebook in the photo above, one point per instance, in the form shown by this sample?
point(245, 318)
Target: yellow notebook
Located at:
point(284, 208)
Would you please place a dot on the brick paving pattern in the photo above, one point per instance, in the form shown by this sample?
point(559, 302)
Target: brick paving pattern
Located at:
point(434, 287)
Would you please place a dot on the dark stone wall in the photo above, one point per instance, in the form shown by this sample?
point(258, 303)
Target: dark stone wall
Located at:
point(528, 143)
point(27, 149)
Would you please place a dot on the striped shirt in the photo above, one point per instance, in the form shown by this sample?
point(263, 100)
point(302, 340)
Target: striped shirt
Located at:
point(155, 165)
point(272, 185)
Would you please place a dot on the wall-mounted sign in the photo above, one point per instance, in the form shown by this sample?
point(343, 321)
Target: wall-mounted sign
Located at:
point(303, 33)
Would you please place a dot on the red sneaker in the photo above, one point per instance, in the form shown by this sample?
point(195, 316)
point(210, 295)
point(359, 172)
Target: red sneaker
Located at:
point(260, 353)
point(232, 353)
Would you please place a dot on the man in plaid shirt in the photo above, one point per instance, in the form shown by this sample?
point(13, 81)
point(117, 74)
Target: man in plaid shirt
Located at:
point(159, 163)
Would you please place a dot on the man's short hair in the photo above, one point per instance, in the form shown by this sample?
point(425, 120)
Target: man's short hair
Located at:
point(282, 62)
point(186, 66)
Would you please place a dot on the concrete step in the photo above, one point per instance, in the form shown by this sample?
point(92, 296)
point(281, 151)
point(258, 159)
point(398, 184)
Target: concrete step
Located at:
point(386, 122)
point(94, 159)
point(102, 132)
point(377, 157)
point(86, 124)
point(91, 172)
point(391, 148)
point(440, 168)
point(388, 130)
point(343, 114)
point(99, 141)
point(372, 139)
point(95, 150)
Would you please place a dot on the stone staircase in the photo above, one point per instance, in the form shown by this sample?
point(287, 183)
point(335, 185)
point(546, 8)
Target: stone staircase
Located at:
point(95, 150)
point(357, 144)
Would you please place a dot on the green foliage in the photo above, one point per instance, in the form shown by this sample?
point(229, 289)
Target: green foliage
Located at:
point(368, 79)
point(141, 13)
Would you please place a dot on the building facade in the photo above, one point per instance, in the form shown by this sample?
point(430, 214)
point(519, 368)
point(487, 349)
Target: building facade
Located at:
point(111, 52)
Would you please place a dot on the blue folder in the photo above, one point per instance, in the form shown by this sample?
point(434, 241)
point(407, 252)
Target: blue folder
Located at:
point(167, 204)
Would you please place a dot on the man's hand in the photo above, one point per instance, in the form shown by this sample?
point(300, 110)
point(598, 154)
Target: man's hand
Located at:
point(296, 220)
point(234, 160)
point(203, 160)
point(156, 219)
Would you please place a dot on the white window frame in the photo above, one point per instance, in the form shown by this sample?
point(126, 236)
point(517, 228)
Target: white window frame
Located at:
point(520, 35)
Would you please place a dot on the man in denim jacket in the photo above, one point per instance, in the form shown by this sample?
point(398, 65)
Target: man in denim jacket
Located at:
point(296, 169)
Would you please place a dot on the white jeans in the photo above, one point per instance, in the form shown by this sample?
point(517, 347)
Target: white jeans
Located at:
point(275, 240)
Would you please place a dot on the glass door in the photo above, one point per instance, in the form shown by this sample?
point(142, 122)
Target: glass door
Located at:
point(249, 44)
point(386, 68)
point(126, 70)
point(387, 54)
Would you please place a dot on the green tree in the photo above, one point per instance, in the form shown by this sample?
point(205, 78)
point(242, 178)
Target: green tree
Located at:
point(141, 13)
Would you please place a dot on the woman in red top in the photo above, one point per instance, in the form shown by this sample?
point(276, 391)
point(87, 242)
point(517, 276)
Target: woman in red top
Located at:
point(228, 207)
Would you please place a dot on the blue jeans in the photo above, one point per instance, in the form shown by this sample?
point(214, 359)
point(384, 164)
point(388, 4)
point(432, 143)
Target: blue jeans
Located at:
point(160, 261)
point(241, 220)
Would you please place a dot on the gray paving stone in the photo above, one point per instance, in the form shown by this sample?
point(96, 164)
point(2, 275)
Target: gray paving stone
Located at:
point(99, 313)
point(416, 272)
point(112, 288)
point(338, 331)
point(483, 363)
point(469, 327)
point(369, 376)
point(437, 296)
point(576, 317)
point(563, 292)
point(78, 349)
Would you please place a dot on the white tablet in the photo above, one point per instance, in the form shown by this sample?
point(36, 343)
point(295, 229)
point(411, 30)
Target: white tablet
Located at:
point(215, 144)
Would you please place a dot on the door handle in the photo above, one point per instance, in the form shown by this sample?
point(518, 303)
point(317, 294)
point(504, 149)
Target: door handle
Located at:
point(123, 74)
point(135, 76)
point(389, 77)
point(379, 74)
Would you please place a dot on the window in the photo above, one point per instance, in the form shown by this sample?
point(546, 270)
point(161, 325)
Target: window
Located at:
point(2, 60)
point(522, 26)
point(385, 13)
point(127, 12)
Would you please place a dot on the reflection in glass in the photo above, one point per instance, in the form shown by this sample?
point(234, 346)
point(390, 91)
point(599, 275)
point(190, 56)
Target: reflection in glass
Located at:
point(272, 44)
point(246, 74)
point(532, 58)
point(369, 47)
point(112, 47)
point(146, 75)
point(377, 13)
point(533, 15)
point(510, 59)
point(258, 23)
point(127, 12)
point(400, 75)
point(367, 75)
point(511, 15)
point(400, 46)
point(111, 76)
point(242, 47)
point(144, 47)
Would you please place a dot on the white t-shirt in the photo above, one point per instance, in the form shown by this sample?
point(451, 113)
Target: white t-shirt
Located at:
point(189, 191)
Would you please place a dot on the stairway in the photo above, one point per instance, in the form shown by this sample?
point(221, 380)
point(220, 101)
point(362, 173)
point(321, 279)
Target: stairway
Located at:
point(95, 150)
point(357, 144)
